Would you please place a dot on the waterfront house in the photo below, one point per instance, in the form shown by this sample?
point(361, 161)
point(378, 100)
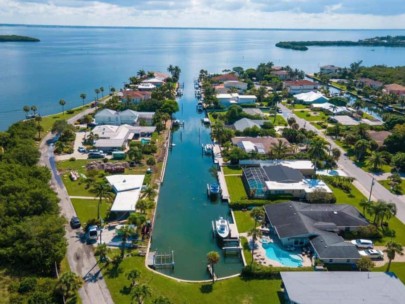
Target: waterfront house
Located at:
point(330, 108)
point(146, 87)
point(310, 97)
point(224, 77)
point(262, 145)
point(130, 117)
point(227, 100)
point(300, 86)
point(128, 189)
point(280, 74)
point(329, 70)
point(374, 84)
point(394, 88)
point(244, 123)
point(337, 287)
point(378, 136)
point(306, 167)
point(235, 84)
point(157, 82)
point(135, 96)
point(297, 224)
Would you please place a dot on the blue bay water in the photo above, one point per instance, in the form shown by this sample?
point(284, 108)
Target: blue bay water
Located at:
point(72, 60)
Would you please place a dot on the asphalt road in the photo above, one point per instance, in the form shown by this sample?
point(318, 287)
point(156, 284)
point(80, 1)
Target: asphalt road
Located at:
point(80, 256)
point(363, 180)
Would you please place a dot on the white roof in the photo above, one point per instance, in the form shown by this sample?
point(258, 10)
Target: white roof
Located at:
point(248, 146)
point(310, 96)
point(112, 132)
point(126, 201)
point(125, 182)
point(330, 107)
point(146, 86)
point(247, 97)
point(306, 185)
point(153, 80)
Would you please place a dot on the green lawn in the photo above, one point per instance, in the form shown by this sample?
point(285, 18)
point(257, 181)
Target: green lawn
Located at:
point(232, 170)
point(232, 291)
point(362, 164)
point(280, 121)
point(244, 221)
point(298, 106)
point(386, 184)
point(354, 199)
point(86, 209)
point(246, 250)
point(313, 116)
point(235, 188)
point(397, 268)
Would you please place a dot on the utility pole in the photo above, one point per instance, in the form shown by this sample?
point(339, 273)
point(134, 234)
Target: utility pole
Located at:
point(371, 189)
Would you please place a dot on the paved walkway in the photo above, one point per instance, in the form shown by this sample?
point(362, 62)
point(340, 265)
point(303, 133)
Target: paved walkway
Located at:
point(363, 179)
point(79, 255)
point(84, 197)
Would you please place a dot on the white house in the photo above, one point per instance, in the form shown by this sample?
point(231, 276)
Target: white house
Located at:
point(157, 82)
point(130, 117)
point(329, 69)
point(128, 189)
point(300, 86)
point(330, 108)
point(241, 86)
point(146, 87)
point(234, 98)
point(311, 97)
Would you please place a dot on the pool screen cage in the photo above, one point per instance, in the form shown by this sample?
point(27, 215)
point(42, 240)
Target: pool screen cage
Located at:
point(254, 179)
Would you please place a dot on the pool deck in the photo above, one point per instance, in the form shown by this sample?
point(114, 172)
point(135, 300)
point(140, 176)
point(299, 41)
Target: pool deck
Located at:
point(260, 257)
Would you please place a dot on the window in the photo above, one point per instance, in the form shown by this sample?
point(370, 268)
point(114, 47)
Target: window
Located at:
point(330, 260)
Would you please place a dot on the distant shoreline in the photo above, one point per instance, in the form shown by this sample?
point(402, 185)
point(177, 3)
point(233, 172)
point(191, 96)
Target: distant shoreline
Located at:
point(17, 38)
point(197, 28)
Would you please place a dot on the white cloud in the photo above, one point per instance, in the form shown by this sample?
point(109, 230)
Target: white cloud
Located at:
point(208, 13)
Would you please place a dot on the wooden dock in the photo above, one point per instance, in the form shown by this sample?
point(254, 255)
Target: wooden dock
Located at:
point(224, 189)
point(210, 271)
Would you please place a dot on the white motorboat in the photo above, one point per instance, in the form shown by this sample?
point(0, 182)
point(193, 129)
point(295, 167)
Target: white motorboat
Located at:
point(222, 227)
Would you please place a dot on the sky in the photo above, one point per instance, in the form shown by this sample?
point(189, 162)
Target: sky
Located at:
point(340, 14)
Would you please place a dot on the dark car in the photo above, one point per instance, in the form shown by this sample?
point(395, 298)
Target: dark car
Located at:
point(75, 222)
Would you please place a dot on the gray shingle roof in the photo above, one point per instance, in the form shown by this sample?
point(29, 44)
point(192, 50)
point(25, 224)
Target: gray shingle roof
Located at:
point(283, 174)
point(338, 287)
point(329, 245)
point(245, 123)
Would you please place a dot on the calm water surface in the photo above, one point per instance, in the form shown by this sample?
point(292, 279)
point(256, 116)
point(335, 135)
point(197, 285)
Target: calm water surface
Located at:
point(69, 61)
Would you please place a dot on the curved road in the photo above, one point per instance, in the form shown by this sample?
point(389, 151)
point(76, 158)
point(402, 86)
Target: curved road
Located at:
point(80, 256)
point(363, 179)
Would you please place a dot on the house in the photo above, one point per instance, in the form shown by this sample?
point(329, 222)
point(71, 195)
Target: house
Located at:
point(224, 77)
point(300, 86)
point(280, 74)
point(235, 84)
point(157, 82)
point(370, 83)
point(329, 70)
point(128, 189)
point(220, 89)
point(130, 117)
point(311, 97)
point(306, 167)
point(330, 108)
point(277, 179)
point(146, 87)
point(112, 137)
point(135, 95)
point(262, 144)
point(244, 123)
point(337, 287)
point(253, 111)
point(234, 98)
point(299, 224)
point(394, 88)
point(378, 136)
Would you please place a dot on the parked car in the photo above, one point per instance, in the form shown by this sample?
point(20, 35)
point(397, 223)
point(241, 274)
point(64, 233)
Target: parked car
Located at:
point(362, 243)
point(279, 110)
point(372, 253)
point(96, 155)
point(82, 150)
point(92, 233)
point(75, 222)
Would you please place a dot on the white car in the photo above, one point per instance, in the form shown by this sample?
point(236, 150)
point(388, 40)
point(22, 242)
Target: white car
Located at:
point(372, 253)
point(361, 243)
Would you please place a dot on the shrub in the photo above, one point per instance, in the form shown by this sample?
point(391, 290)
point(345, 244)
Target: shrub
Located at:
point(320, 196)
point(151, 161)
point(70, 111)
point(366, 232)
point(72, 159)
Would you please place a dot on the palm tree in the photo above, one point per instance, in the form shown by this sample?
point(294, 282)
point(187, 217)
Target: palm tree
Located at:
point(144, 205)
point(140, 292)
point(336, 154)
point(34, 110)
point(361, 147)
point(392, 249)
point(102, 191)
point(361, 130)
point(254, 234)
point(365, 204)
point(149, 192)
point(102, 91)
point(125, 232)
point(83, 97)
point(358, 104)
point(376, 160)
point(38, 126)
point(161, 300)
point(133, 275)
point(317, 150)
point(68, 284)
point(336, 130)
point(26, 109)
point(141, 73)
point(102, 251)
point(97, 91)
point(279, 149)
point(213, 258)
point(62, 102)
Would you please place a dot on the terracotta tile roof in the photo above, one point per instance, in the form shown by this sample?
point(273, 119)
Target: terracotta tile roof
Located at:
point(136, 94)
point(378, 136)
point(224, 77)
point(394, 87)
point(161, 76)
point(303, 82)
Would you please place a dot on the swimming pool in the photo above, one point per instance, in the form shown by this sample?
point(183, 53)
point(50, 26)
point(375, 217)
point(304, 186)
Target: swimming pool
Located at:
point(285, 258)
point(145, 141)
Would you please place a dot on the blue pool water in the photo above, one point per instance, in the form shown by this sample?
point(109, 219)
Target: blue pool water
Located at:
point(145, 141)
point(274, 252)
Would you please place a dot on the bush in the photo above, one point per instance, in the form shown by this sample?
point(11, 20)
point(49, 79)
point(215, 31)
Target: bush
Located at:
point(151, 161)
point(70, 111)
point(27, 284)
point(257, 271)
point(320, 196)
point(367, 232)
point(72, 159)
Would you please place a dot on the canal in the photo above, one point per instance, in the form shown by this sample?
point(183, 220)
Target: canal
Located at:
point(184, 213)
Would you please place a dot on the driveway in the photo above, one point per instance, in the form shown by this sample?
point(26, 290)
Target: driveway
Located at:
point(363, 179)
point(80, 256)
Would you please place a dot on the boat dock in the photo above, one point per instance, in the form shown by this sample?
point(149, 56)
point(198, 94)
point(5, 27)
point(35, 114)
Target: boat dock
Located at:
point(160, 260)
point(224, 189)
point(212, 274)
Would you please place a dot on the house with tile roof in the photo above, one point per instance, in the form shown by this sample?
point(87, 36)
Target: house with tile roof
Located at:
point(300, 86)
point(394, 88)
point(329, 70)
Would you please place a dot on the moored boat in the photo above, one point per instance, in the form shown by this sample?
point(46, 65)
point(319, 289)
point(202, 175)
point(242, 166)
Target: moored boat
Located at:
point(222, 227)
